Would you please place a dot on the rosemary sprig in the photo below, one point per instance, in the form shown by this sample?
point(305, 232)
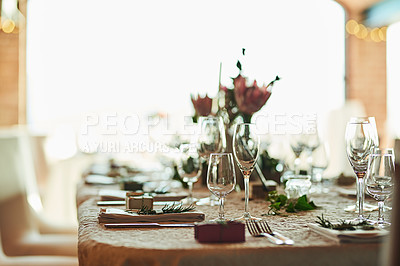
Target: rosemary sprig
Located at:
point(178, 208)
point(168, 208)
point(343, 225)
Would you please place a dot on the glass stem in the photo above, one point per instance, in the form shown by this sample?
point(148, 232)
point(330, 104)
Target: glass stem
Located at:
point(190, 185)
point(246, 196)
point(380, 212)
point(360, 195)
point(221, 208)
point(297, 166)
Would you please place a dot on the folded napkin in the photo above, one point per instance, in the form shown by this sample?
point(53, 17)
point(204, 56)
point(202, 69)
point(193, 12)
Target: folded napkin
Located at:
point(111, 215)
point(108, 194)
point(100, 180)
point(356, 236)
point(367, 208)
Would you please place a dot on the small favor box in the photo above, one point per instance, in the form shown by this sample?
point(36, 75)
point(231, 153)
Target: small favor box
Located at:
point(133, 201)
point(219, 232)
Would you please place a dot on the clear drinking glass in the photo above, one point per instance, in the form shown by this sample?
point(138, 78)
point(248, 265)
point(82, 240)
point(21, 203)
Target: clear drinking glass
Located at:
point(221, 178)
point(375, 138)
point(359, 145)
point(211, 139)
point(189, 168)
point(297, 143)
point(380, 179)
point(246, 145)
point(212, 136)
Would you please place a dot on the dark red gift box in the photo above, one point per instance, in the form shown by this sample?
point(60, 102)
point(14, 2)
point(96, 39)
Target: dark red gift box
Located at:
point(219, 232)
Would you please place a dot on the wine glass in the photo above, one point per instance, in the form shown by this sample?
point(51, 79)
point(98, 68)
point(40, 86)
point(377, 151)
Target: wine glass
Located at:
point(189, 168)
point(319, 163)
point(380, 179)
point(375, 138)
point(297, 143)
point(246, 145)
point(221, 178)
point(359, 145)
point(374, 131)
point(212, 136)
point(211, 139)
point(311, 142)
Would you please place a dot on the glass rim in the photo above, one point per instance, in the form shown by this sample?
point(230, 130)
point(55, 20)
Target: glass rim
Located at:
point(220, 153)
point(359, 122)
point(239, 124)
point(363, 117)
point(209, 117)
point(384, 151)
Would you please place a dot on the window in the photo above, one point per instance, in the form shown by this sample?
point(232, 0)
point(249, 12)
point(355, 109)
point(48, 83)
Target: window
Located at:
point(141, 57)
point(393, 79)
point(125, 58)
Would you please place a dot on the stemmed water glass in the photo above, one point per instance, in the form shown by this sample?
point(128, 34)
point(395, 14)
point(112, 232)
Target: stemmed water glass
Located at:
point(189, 168)
point(211, 139)
point(221, 178)
point(380, 179)
point(246, 145)
point(297, 143)
point(359, 145)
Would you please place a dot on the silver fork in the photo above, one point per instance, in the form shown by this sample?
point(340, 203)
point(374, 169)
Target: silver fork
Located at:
point(255, 231)
point(265, 228)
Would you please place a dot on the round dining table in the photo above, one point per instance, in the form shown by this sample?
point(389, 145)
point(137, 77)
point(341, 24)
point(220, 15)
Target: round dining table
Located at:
point(98, 245)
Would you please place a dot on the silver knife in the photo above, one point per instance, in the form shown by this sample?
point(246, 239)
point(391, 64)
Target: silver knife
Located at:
point(285, 239)
point(145, 225)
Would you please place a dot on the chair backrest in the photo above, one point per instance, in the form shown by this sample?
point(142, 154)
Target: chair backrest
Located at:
point(17, 172)
point(16, 175)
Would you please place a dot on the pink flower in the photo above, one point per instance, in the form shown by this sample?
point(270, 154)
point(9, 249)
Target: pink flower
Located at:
point(202, 106)
point(250, 99)
point(223, 88)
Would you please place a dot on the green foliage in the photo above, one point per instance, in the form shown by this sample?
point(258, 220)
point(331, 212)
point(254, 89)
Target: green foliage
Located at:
point(267, 162)
point(280, 201)
point(188, 166)
point(239, 65)
point(168, 208)
point(343, 225)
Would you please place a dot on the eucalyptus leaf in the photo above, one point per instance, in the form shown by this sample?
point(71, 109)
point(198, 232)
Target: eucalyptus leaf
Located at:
point(239, 65)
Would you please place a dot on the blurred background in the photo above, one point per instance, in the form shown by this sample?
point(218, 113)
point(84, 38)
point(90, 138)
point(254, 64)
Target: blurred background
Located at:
point(79, 74)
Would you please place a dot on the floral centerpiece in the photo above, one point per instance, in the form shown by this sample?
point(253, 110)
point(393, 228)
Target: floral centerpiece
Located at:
point(242, 100)
point(245, 98)
point(202, 106)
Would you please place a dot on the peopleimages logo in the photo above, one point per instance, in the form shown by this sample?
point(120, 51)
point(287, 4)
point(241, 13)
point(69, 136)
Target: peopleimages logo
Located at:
point(115, 133)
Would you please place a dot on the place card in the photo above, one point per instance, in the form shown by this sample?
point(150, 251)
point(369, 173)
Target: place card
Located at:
point(138, 202)
point(219, 232)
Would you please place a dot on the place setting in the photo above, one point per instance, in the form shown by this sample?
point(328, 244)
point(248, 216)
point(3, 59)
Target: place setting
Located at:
point(223, 156)
point(375, 175)
point(228, 186)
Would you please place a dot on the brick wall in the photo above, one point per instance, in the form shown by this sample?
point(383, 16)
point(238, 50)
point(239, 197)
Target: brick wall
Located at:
point(366, 78)
point(9, 56)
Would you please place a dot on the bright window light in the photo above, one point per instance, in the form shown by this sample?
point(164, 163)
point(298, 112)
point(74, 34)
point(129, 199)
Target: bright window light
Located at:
point(393, 79)
point(143, 57)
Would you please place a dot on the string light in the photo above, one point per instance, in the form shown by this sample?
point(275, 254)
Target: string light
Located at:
point(8, 25)
point(365, 33)
point(10, 16)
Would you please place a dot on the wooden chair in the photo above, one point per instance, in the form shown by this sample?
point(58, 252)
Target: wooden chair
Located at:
point(36, 260)
point(19, 223)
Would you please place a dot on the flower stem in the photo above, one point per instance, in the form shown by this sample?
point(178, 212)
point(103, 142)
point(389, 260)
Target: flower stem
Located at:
point(246, 118)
